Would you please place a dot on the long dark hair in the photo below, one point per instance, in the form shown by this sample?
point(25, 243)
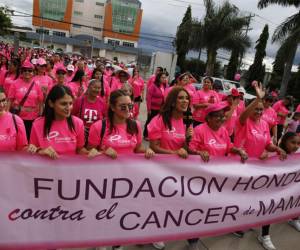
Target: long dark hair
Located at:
point(56, 93)
point(157, 79)
point(6, 64)
point(17, 64)
point(78, 76)
point(132, 128)
point(102, 91)
point(287, 136)
point(170, 104)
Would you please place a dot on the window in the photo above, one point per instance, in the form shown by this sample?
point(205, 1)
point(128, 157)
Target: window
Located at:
point(99, 4)
point(76, 26)
point(79, 1)
point(97, 29)
point(98, 16)
point(57, 33)
point(126, 44)
point(113, 42)
point(53, 9)
point(78, 13)
point(42, 31)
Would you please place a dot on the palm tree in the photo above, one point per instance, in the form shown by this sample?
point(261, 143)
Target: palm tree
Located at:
point(222, 27)
point(196, 38)
point(289, 32)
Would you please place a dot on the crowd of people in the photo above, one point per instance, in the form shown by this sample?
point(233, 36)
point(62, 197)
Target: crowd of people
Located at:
point(52, 105)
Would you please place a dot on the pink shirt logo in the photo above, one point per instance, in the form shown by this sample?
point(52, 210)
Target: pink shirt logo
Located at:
point(213, 143)
point(90, 115)
point(55, 135)
point(120, 141)
point(174, 134)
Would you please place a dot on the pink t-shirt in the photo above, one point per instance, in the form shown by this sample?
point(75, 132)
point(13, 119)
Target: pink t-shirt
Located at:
point(241, 107)
point(45, 82)
point(60, 138)
point(280, 108)
point(137, 86)
point(74, 86)
point(216, 143)
point(8, 81)
point(10, 139)
point(270, 116)
point(119, 139)
point(115, 84)
point(231, 122)
point(89, 112)
point(253, 137)
point(30, 109)
point(203, 97)
point(151, 81)
point(173, 139)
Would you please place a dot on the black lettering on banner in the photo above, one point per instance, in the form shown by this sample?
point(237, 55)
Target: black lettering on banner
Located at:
point(187, 217)
point(298, 178)
point(37, 187)
point(89, 184)
point(287, 181)
point(114, 194)
point(263, 210)
point(210, 214)
point(182, 186)
point(148, 188)
point(291, 203)
point(101, 214)
point(170, 215)
point(241, 182)
point(214, 183)
point(232, 213)
point(151, 219)
point(203, 183)
point(265, 180)
point(110, 214)
point(277, 182)
point(160, 187)
point(122, 224)
point(60, 191)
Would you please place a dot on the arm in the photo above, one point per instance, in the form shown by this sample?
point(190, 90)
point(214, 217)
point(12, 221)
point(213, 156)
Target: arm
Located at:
point(155, 146)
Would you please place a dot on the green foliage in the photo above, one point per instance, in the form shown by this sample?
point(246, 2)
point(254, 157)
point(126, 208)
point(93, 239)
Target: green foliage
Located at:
point(5, 21)
point(195, 66)
point(233, 65)
point(183, 37)
point(257, 69)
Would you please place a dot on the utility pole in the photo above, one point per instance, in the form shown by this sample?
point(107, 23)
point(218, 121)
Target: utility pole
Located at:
point(247, 30)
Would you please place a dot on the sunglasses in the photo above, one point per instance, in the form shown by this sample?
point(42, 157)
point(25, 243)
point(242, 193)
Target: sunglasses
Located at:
point(27, 70)
point(123, 107)
point(3, 100)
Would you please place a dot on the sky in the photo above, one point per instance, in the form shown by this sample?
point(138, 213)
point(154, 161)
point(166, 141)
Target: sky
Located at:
point(161, 18)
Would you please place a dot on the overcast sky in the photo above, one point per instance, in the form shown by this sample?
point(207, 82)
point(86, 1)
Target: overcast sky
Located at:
point(163, 17)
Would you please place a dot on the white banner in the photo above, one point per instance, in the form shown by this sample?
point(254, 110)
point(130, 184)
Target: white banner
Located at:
point(76, 202)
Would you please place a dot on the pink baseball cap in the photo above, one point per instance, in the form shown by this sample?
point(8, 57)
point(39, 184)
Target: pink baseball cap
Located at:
point(41, 61)
point(60, 68)
point(70, 67)
point(27, 65)
point(234, 92)
point(216, 107)
point(298, 109)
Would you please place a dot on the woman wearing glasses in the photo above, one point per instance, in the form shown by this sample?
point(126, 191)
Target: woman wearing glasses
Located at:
point(12, 129)
point(118, 134)
point(212, 138)
point(26, 97)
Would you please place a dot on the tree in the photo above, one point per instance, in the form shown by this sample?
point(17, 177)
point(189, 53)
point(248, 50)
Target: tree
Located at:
point(289, 31)
point(222, 27)
point(196, 37)
point(233, 64)
point(5, 20)
point(183, 37)
point(257, 69)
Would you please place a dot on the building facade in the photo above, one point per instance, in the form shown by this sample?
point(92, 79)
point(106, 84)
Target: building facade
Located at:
point(122, 22)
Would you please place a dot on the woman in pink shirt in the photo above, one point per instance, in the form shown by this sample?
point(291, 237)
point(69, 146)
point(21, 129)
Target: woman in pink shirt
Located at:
point(282, 109)
point(270, 116)
point(203, 99)
point(105, 90)
point(212, 138)
point(78, 84)
point(12, 129)
point(167, 131)
point(155, 98)
point(90, 107)
point(42, 79)
point(118, 134)
point(26, 97)
point(58, 132)
point(3, 66)
point(11, 75)
point(137, 84)
point(252, 132)
point(121, 77)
